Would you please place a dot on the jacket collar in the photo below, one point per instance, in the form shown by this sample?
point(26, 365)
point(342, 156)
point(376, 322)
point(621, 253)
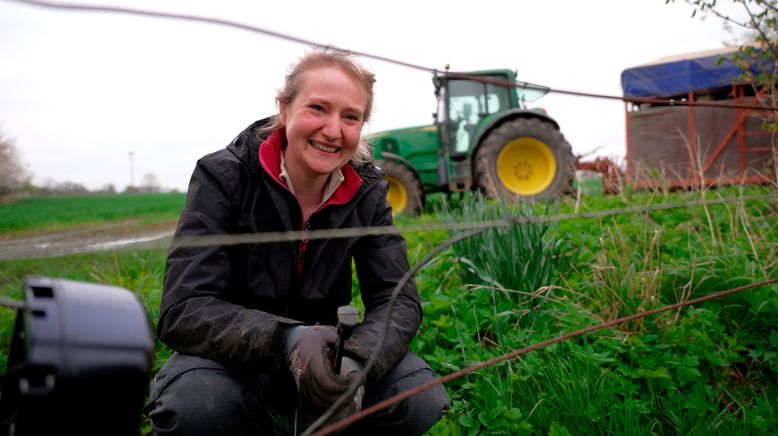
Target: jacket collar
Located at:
point(270, 160)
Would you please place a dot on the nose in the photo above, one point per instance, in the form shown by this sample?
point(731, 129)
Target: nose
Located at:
point(331, 128)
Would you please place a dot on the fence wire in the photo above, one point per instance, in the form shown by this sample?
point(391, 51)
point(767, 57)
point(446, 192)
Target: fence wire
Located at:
point(436, 71)
point(340, 425)
point(43, 247)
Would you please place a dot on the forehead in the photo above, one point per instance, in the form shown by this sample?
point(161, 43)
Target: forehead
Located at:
point(332, 82)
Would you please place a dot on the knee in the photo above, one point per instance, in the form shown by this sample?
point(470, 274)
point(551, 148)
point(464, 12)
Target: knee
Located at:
point(414, 415)
point(421, 411)
point(201, 401)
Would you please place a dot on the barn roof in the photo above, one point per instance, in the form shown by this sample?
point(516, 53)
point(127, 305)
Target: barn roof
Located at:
point(678, 75)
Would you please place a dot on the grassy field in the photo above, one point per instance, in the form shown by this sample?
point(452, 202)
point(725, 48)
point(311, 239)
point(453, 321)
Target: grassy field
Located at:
point(710, 368)
point(54, 213)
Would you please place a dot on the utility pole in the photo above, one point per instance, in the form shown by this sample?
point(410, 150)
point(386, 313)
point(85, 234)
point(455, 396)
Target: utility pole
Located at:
point(132, 169)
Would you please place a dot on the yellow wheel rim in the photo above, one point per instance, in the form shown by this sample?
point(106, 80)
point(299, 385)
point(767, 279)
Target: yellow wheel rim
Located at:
point(397, 195)
point(526, 166)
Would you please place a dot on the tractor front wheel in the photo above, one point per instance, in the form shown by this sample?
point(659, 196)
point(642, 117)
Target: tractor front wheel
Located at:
point(525, 158)
point(404, 195)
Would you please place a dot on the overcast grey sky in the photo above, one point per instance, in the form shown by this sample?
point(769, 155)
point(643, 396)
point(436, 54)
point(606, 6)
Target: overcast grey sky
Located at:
point(79, 91)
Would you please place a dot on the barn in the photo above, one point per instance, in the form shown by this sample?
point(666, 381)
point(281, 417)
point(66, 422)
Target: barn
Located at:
point(694, 119)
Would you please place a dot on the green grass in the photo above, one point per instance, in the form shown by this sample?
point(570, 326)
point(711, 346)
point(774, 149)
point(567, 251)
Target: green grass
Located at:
point(52, 213)
point(708, 369)
point(589, 186)
point(140, 272)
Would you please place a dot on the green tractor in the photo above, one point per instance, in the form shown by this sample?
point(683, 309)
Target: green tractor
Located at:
point(484, 137)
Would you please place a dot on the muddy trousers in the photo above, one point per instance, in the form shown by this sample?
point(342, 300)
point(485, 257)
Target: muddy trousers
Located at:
point(196, 396)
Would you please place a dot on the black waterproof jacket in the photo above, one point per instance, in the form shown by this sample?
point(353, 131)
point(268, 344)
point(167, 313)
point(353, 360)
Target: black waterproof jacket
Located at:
point(233, 303)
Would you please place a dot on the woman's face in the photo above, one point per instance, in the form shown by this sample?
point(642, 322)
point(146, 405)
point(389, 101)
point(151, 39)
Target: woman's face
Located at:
point(324, 122)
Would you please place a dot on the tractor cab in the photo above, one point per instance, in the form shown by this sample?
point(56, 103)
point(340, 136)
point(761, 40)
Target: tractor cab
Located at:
point(467, 104)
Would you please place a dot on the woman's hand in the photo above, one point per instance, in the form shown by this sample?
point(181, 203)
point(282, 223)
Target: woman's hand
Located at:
point(311, 369)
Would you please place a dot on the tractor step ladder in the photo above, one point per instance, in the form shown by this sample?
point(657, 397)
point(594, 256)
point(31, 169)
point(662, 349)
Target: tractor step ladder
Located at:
point(460, 179)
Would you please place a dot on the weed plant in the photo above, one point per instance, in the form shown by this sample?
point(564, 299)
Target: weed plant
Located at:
point(708, 369)
point(518, 261)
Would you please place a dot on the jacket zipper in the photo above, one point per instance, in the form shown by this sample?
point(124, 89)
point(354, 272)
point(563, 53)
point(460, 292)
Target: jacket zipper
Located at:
point(303, 247)
point(307, 227)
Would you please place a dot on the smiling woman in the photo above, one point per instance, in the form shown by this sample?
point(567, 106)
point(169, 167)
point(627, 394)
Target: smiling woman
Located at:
point(323, 125)
point(258, 320)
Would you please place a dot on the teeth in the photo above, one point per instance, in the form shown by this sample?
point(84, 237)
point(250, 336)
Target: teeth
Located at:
point(324, 147)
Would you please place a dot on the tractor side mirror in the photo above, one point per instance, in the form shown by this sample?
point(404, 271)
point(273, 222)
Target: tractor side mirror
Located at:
point(79, 361)
point(437, 83)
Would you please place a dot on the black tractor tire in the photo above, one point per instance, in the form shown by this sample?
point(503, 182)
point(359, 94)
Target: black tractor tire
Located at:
point(405, 194)
point(525, 159)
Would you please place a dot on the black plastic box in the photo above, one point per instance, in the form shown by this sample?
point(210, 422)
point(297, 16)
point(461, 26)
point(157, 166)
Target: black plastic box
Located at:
point(79, 361)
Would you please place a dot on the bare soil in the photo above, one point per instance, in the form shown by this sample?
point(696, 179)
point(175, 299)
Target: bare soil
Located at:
point(119, 235)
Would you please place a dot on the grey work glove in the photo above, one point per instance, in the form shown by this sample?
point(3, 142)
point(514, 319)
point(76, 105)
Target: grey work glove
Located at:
point(307, 349)
point(350, 368)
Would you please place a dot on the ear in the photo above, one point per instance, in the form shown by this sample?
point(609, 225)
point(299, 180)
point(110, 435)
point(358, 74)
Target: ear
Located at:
point(282, 113)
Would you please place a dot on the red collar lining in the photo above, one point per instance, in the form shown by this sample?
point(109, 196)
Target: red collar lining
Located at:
point(270, 159)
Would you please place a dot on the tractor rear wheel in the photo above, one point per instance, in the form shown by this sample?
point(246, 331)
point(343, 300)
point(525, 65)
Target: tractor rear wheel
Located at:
point(404, 195)
point(526, 158)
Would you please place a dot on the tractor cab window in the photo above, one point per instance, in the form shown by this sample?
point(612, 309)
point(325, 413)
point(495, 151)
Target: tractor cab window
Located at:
point(469, 101)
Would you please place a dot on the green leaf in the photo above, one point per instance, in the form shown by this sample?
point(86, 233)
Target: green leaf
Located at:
point(466, 421)
point(442, 321)
point(689, 373)
point(513, 414)
point(659, 373)
point(557, 429)
point(485, 419)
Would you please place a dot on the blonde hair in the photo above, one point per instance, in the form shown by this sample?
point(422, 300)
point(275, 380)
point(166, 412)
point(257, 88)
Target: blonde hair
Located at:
point(327, 56)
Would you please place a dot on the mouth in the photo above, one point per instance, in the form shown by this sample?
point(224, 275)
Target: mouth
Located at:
point(322, 147)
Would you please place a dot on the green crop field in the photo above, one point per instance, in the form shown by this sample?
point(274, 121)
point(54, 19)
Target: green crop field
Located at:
point(54, 213)
point(711, 368)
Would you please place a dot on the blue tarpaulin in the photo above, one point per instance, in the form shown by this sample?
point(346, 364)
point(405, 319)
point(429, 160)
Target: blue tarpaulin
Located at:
point(679, 76)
